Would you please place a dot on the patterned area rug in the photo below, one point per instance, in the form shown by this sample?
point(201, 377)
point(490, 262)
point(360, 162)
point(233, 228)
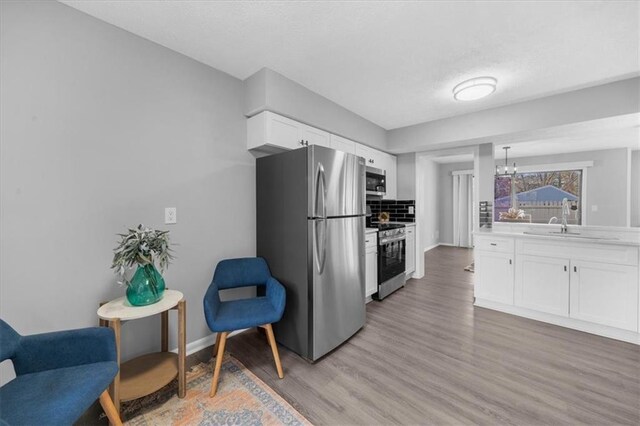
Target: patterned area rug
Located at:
point(470, 268)
point(242, 399)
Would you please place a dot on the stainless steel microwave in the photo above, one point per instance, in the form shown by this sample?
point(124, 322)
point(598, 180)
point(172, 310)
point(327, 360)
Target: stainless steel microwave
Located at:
point(376, 181)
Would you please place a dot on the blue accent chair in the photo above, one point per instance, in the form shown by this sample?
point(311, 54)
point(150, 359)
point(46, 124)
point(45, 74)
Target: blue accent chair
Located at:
point(224, 317)
point(58, 375)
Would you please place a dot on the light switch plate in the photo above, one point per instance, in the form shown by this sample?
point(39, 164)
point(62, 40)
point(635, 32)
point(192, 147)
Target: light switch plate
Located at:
point(170, 215)
point(594, 207)
point(411, 210)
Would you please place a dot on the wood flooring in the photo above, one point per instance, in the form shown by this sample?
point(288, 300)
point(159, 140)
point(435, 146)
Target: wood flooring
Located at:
point(428, 356)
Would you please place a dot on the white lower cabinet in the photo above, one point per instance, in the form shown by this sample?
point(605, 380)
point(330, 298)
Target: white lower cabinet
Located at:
point(605, 294)
point(410, 255)
point(564, 283)
point(542, 284)
point(494, 276)
point(371, 264)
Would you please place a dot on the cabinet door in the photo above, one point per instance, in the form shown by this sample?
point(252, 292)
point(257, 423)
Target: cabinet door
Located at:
point(390, 167)
point(369, 155)
point(605, 294)
point(494, 277)
point(283, 132)
point(542, 283)
point(371, 272)
point(341, 144)
point(313, 136)
point(411, 249)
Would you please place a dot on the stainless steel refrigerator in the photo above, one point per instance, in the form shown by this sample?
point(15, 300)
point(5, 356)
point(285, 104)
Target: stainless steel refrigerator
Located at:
point(310, 229)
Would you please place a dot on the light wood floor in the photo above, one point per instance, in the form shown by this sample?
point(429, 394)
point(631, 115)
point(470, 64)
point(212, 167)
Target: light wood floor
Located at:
point(427, 356)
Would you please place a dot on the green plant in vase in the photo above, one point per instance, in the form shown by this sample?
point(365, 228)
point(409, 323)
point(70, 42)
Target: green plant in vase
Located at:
point(142, 247)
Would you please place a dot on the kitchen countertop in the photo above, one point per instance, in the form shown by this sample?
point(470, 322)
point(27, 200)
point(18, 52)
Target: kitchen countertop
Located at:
point(598, 238)
point(370, 230)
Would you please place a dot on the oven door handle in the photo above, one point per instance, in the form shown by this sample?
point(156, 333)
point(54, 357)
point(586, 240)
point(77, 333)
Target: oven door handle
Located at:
point(392, 240)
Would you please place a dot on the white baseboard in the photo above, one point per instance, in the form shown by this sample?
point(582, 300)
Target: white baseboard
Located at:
point(431, 247)
point(200, 344)
point(447, 244)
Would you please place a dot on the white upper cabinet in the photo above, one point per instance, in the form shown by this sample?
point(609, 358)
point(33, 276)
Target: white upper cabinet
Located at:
point(372, 157)
point(342, 144)
point(312, 136)
point(389, 164)
point(269, 130)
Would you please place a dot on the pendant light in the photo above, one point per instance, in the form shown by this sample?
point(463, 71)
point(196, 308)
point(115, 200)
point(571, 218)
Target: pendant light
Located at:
point(505, 171)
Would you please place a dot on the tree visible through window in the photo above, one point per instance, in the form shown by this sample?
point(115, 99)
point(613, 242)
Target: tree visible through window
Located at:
point(539, 195)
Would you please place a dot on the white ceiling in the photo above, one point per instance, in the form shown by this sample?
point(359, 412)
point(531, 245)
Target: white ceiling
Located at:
point(396, 62)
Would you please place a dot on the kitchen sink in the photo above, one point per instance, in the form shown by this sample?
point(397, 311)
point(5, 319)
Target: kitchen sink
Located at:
point(567, 235)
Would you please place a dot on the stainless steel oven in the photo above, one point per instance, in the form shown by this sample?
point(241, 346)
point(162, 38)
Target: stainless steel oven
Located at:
point(392, 247)
point(376, 181)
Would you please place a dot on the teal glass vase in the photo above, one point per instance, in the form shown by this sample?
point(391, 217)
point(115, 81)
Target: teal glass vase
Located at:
point(146, 287)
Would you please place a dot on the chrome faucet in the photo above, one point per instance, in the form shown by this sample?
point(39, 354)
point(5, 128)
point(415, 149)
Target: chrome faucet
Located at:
point(565, 212)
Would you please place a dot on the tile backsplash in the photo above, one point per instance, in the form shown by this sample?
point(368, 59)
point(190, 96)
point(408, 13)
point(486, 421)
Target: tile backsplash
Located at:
point(398, 210)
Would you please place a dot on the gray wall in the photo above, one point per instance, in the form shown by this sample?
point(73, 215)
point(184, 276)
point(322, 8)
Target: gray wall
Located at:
point(445, 198)
point(102, 130)
point(268, 90)
point(635, 188)
point(606, 182)
point(406, 170)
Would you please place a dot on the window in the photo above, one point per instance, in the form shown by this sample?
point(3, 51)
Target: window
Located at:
point(537, 196)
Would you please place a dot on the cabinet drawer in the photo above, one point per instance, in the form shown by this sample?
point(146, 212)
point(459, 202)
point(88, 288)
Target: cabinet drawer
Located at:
point(500, 245)
point(371, 241)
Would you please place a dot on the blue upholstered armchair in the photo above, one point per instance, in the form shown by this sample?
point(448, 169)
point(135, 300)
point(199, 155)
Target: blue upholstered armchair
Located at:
point(224, 317)
point(58, 375)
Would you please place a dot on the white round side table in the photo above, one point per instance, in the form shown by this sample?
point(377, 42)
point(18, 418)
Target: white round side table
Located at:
point(150, 372)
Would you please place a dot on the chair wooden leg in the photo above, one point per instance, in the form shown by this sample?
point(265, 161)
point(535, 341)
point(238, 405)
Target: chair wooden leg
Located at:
point(110, 409)
point(217, 344)
point(274, 349)
point(219, 356)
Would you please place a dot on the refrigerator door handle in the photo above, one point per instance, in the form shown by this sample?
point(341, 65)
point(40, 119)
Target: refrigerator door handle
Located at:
point(322, 253)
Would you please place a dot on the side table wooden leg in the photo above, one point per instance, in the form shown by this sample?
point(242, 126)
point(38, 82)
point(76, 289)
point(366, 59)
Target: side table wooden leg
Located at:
point(164, 331)
point(182, 347)
point(114, 389)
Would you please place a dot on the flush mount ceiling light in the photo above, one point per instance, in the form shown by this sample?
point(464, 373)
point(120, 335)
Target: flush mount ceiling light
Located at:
point(475, 88)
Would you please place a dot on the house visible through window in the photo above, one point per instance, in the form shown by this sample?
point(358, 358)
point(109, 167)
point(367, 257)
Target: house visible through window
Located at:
point(536, 197)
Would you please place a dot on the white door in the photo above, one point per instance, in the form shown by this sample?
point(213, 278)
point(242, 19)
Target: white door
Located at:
point(542, 283)
point(494, 277)
point(411, 250)
point(341, 144)
point(605, 294)
point(313, 136)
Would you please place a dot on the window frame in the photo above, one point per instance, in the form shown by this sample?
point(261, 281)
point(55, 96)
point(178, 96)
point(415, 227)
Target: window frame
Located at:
point(583, 166)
